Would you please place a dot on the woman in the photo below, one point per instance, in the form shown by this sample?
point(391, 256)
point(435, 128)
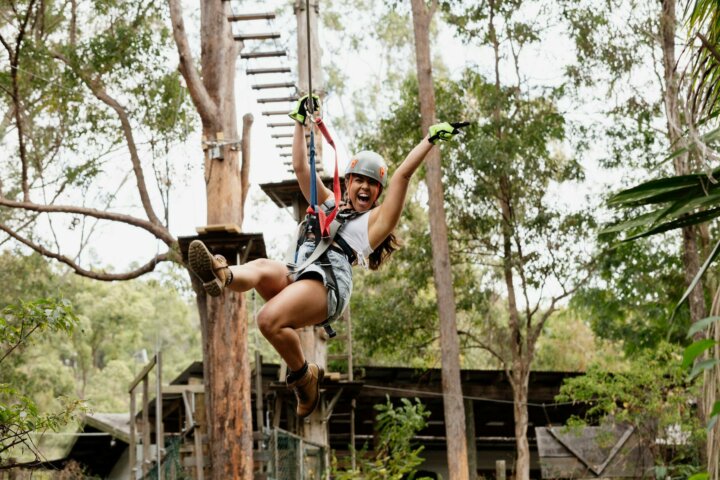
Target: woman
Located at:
point(321, 291)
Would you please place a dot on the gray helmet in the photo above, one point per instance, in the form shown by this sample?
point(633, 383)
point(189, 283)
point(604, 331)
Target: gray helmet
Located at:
point(369, 164)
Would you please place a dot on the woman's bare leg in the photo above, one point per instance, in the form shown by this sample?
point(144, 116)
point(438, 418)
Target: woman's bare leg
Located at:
point(268, 277)
point(300, 304)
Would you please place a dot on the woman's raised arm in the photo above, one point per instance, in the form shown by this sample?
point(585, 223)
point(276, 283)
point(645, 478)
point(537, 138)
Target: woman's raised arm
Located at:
point(384, 219)
point(302, 167)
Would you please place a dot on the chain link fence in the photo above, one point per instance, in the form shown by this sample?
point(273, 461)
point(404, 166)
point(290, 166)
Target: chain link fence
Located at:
point(292, 458)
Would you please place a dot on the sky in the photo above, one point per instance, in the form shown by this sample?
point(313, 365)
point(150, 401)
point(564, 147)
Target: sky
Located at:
point(119, 246)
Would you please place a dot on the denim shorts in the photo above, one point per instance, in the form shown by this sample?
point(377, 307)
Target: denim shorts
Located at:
point(342, 269)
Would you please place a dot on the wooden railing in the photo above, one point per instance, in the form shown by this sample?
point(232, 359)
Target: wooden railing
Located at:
point(147, 459)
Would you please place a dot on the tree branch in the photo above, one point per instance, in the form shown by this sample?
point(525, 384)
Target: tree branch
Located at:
point(158, 231)
point(206, 107)
point(710, 47)
point(14, 64)
point(245, 165)
point(103, 96)
point(23, 337)
point(483, 345)
point(432, 8)
point(104, 276)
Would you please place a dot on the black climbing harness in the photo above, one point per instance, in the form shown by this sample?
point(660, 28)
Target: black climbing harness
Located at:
point(332, 241)
point(318, 225)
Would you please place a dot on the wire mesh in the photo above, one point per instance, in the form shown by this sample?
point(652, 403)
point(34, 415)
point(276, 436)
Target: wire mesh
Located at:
point(292, 458)
point(171, 465)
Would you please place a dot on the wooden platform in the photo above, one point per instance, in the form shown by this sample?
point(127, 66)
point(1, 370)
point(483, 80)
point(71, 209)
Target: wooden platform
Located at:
point(228, 241)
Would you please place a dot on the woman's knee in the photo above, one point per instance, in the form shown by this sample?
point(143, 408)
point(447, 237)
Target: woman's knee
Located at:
point(268, 321)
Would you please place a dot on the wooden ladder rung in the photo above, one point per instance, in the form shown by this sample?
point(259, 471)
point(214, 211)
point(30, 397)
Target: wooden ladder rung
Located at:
point(286, 155)
point(252, 16)
point(261, 71)
point(282, 135)
point(256, 36)
point(275, 112)
point(283, 145)
point(276, 99)
point(271, 53)
point(284, 124)
point(261, 86)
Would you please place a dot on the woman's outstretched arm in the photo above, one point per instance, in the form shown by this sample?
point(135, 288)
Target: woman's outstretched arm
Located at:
point(384, 219)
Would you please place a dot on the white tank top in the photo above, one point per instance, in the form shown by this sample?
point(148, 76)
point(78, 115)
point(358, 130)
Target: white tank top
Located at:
point(355, 233)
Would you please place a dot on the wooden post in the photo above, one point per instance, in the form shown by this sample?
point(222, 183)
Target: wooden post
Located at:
point(499, 469)
point(199, 431)
point(258, 391)
point(159, 431)
point(470, 435)
point(314, 341)
point(133, 441)
point(146, 426)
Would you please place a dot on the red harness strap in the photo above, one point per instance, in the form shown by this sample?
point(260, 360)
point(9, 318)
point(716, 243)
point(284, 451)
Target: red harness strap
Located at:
point(326, 220)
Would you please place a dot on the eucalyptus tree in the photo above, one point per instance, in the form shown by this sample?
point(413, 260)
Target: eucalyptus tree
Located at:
point(513, 258)
point(502, 190)
point(453, 407)
point(686, 79)
point(92, 102)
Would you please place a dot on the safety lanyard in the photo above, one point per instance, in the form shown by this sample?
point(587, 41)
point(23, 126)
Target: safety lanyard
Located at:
point(323, 220)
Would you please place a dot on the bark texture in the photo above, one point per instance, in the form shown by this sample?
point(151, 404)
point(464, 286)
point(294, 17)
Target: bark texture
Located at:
point(682, 163)
point(449, 343)
point(223, 319)
point(676, 122)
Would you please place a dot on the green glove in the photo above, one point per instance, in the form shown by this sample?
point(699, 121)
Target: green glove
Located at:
point(299, 111)
point(445, 131)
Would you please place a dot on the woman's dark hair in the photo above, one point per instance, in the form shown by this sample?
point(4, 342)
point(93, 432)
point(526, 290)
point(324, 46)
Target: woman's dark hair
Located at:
point(385, 249)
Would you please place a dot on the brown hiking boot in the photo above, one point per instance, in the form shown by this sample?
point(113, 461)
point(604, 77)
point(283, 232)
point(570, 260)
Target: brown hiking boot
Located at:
point(212, 270)
point(307, 390)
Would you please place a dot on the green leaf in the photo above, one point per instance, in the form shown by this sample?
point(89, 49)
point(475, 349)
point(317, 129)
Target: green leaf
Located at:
point(701, 272)
point(694, 350)
point(714, 416)
point(645, 219)
point(702, 366)
point(711, 423)
point(700, 476)
point(701, 325)
point(715, 412)
point(649, 192)
point(688, 204)
point(685, 221)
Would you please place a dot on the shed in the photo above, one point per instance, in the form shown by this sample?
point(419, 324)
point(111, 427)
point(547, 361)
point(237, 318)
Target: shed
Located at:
point(607, 451)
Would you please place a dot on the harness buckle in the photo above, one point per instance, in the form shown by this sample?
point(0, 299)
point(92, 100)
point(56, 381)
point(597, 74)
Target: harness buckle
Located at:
point(329, 330)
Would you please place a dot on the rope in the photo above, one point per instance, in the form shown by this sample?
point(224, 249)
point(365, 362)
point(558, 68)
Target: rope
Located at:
point(324, 220)
point(480, 399)
point(311, 102)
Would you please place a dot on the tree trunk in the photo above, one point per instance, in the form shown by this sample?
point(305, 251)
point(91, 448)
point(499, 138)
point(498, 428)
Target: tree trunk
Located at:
point(691, 257)
point(521, 354)
point(682, 163)
point(449, 343)
point(521, 349)
point(520, 377)
point(224, 319)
